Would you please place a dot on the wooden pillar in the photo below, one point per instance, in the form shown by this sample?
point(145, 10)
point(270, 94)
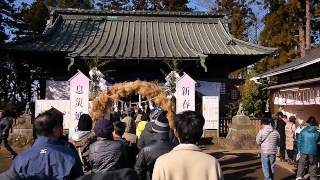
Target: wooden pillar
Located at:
point(308, 25)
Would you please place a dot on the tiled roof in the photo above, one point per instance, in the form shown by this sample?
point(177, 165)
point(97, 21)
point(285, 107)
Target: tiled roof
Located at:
point(312, 58)
point(138, 35)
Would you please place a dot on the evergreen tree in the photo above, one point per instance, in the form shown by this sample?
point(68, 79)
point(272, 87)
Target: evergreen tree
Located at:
point(6, 18)
point(81, 4)
point(176, 5)
point(160, 5)
point(31, 20)
point(113, 4)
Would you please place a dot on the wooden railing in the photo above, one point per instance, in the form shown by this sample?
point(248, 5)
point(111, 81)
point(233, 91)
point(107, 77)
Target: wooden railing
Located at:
point(225, 122)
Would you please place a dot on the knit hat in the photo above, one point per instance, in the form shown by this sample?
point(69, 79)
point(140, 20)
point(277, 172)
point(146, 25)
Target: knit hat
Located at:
point(161, 124)
point(103, 128)
point(154, 113)
point(85, 123)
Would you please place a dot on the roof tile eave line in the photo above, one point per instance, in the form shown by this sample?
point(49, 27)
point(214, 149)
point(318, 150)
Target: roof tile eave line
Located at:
point(208, 39)
point(214, 39)
point(145, 34)
point(87, 43)
point(71, 39)
point(114, 47)
point(150, 30)
point(202, 39)
point(191, 45)
point(184, 40)
point(50, 38)
point(266, 50)
point(121, 50)
point(128, 50)
point(165, 41)
point(282, 69)
point(59, 37)
point(172, 40)
point(196, 38)
point(95, 44)
point(103, 40)
point(225, 47)
point(67, 39)
point(76, 43)
point(71, 11)
point(92, 44)
point(179, 40)
point(229, 38)
point(157, 34)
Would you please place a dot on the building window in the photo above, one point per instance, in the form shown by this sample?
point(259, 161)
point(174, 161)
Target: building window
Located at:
point(234, 94)
point(223, 88)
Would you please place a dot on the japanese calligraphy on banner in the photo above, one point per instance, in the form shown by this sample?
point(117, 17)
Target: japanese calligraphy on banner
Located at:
point(79, 99)
point(210, 112)
point(185, 94)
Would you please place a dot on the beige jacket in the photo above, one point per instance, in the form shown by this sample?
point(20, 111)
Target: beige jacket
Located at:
point(186, 162)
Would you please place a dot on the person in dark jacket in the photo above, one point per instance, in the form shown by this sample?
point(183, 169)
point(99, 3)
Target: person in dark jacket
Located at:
point(106, 154)
point(82, 139)
point(5, 125)
point(147, 135)
point(280, 125)
point(307, 146)
point(48, 158)
point(149, 154)
point(130, 148)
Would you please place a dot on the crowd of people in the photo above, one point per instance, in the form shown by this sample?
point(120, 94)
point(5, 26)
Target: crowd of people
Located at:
point(141, 145)
point(295, 139)
point(131, 145)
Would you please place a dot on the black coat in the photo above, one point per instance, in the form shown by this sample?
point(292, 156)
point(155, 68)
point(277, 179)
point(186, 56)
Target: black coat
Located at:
point(280, 126)
point(5, 125)
point(149, 154)
point(106, 155)
point(147, 137)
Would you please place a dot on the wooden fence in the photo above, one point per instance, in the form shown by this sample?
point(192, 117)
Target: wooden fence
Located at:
point(224, 125)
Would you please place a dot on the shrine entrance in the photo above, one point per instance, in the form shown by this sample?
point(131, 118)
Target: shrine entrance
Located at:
point(103, 103)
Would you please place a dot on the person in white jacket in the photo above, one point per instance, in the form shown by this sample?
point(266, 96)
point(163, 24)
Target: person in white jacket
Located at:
point(268, 138)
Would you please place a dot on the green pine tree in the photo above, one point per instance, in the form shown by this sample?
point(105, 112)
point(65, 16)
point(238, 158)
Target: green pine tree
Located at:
point(113, 4)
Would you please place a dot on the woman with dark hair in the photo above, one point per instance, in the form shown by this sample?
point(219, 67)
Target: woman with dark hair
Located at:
point(290, 136)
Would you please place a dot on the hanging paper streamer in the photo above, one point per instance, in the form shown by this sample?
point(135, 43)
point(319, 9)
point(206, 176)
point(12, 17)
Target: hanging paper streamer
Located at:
point(151, 105)
point(125, 106)
point(139, 103)
point(121, 104)
point(115, 106)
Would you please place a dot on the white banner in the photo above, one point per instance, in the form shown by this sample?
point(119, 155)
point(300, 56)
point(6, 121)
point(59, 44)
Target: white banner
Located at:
point(210, 112)
point(79, 99)
point(61, 105)
point(185, 94)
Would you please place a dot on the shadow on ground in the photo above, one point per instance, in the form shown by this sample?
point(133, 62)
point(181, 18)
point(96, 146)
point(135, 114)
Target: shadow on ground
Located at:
point(246, 166)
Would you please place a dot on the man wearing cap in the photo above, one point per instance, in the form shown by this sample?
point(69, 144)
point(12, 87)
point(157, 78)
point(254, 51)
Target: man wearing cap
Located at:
point(160, 145)
point(146, 137)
